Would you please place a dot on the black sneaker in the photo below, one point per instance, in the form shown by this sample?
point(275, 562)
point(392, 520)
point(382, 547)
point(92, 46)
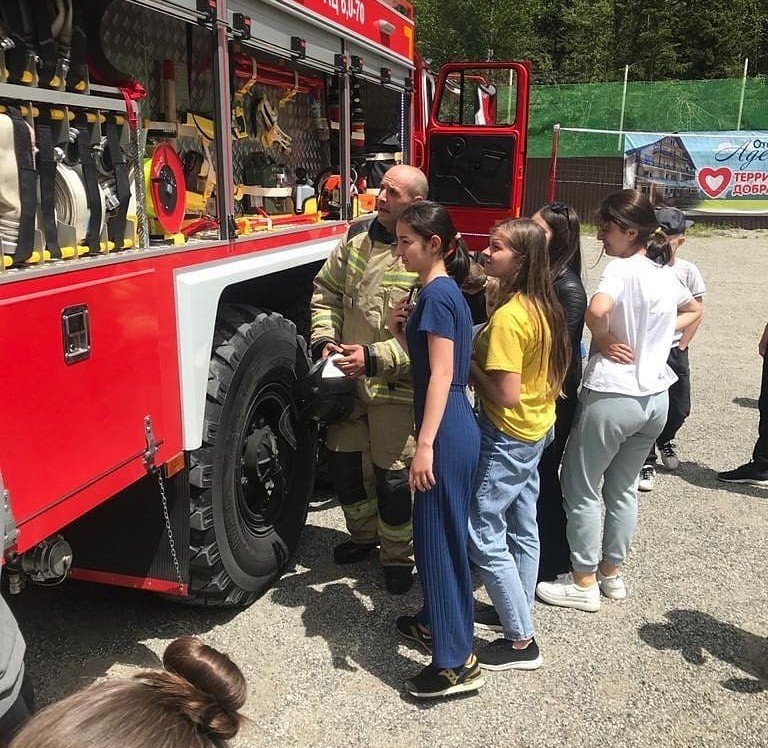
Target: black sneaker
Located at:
point(350, 552)
point(409, 627)
point(398, 579)
point(501, 655)
point(751, 473)
point(669, 457)
point(486, 617)
point(431, 682)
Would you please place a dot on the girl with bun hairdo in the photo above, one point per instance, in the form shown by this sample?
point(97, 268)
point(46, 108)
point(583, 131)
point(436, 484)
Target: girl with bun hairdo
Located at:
point(192, 703)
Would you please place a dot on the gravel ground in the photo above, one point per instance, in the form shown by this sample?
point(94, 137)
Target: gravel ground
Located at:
point(683, 662)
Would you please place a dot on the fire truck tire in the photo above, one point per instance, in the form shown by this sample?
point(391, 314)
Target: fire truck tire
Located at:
point(252, 478)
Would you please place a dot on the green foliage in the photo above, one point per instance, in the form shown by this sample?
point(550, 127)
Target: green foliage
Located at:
point(584, 41)
point(664, 106)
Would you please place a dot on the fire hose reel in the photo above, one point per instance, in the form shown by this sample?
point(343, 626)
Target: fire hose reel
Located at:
point(166, 187)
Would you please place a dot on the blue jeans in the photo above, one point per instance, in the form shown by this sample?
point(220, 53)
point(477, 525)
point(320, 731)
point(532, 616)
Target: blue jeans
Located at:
point(503, 534)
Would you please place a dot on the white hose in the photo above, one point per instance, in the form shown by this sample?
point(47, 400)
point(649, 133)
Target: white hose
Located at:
point(71, 203)
point(10, 200)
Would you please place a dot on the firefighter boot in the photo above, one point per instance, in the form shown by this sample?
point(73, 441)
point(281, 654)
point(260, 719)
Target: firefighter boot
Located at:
point(395, 529)
point(353, 483)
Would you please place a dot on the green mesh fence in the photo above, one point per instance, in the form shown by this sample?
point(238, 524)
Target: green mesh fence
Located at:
point(666, 106)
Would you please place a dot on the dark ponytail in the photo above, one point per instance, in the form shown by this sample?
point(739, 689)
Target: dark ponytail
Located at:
point(658, 248)
point(457, 260)
point(428, 219)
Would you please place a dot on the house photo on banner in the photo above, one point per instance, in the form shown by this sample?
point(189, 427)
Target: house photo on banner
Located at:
point(706, 173)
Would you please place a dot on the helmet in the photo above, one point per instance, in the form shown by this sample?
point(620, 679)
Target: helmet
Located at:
point(325, 394)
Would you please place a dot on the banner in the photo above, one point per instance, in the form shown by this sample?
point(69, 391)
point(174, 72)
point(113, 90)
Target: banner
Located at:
point(722, 173)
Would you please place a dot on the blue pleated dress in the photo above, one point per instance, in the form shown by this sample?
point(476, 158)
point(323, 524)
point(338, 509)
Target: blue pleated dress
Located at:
point(440, 516)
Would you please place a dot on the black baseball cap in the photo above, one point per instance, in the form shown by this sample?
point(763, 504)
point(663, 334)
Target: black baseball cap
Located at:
point(672, 220)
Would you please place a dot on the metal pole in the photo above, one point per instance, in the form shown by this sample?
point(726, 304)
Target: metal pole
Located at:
point(345, 136)
point(509, 96)
point(623, 105)
point(225, 182)
point(552, 179)
point(743, 87)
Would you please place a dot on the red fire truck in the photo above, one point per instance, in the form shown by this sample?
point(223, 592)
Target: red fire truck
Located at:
point(173, 174)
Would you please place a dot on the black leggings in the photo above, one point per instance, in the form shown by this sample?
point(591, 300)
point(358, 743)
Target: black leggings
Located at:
point(760, 452)
point(679, 400)
point(555, 554)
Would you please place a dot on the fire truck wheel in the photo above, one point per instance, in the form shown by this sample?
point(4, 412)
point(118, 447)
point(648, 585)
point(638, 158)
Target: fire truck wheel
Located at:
point(252, 479)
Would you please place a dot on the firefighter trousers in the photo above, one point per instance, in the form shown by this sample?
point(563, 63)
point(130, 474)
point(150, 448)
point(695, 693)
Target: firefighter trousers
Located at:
point(369, 457)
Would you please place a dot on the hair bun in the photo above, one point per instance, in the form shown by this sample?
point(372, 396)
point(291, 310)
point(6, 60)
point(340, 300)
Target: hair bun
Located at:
point(206, 686)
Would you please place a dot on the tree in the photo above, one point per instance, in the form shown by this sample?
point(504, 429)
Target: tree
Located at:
point(475, 29)
point(576, 41)
point(587, 54)
point(722, 36)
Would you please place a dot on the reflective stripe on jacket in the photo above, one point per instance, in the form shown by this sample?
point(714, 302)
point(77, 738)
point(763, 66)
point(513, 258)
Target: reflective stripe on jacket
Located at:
point(354, 292)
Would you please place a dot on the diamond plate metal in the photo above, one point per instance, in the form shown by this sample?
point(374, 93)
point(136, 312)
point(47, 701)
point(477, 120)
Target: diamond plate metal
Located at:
point(137, 40)
point(307, 149)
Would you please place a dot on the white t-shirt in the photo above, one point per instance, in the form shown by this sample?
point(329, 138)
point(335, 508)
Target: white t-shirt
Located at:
point(646, 297)
point(691, 278)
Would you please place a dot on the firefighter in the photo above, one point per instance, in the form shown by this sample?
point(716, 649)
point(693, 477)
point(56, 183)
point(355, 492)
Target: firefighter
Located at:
point(369, 454)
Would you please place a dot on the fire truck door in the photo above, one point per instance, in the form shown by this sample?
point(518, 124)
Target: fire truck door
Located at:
point(476, 144)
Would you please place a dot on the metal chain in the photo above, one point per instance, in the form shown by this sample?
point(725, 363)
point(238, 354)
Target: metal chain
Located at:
point(169, 531)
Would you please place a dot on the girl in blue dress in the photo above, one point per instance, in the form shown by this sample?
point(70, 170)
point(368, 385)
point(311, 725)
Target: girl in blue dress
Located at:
point(438, 338)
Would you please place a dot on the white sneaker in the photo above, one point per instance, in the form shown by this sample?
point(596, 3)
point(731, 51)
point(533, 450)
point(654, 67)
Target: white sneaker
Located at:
point(567, 594)
point(647, 478)
point(612, 587)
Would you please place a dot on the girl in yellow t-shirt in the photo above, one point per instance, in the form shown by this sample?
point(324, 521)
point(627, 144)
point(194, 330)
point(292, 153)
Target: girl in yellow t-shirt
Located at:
point(519, 362)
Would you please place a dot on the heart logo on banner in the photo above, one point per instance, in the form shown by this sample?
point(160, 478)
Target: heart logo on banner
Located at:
point(713, 182)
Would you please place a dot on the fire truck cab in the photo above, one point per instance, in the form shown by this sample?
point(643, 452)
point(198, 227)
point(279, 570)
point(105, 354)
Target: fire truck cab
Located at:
point(174, 173)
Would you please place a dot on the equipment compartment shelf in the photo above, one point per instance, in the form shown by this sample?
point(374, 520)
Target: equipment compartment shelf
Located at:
point(61, 98)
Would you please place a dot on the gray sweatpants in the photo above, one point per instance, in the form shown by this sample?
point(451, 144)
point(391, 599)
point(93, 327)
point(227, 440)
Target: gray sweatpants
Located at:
point(610, 441)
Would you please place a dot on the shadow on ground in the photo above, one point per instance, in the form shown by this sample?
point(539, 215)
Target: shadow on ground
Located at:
point(349, 607)
point(745, 402)
point(694, 633)
point(704, 476)
point(98, 630)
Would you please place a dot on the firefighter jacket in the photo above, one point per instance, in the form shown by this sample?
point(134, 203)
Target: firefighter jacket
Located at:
point(354, 292)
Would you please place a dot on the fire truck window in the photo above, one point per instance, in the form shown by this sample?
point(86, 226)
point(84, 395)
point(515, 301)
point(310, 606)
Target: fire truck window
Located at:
point(471, 171)
point(481, 96)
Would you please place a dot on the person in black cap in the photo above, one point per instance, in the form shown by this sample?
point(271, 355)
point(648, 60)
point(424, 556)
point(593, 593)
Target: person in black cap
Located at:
point(755, 472)
point(672, 226)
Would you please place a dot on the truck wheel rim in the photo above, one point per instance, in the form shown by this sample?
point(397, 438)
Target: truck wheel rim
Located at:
point(263, 472)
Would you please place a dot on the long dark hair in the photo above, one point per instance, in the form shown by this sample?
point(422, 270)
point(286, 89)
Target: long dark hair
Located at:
point(428, 219)
point(631, 209)
point(533, 279)
point(565, 242)
point(192, 703)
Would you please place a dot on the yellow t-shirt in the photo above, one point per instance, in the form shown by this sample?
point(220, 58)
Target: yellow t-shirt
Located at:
point(514, 340)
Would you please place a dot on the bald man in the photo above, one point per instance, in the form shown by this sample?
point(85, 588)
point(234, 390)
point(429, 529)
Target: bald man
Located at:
point(369, 454)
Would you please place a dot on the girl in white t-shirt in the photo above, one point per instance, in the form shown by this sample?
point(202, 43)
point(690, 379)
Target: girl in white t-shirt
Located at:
point(633, 315)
